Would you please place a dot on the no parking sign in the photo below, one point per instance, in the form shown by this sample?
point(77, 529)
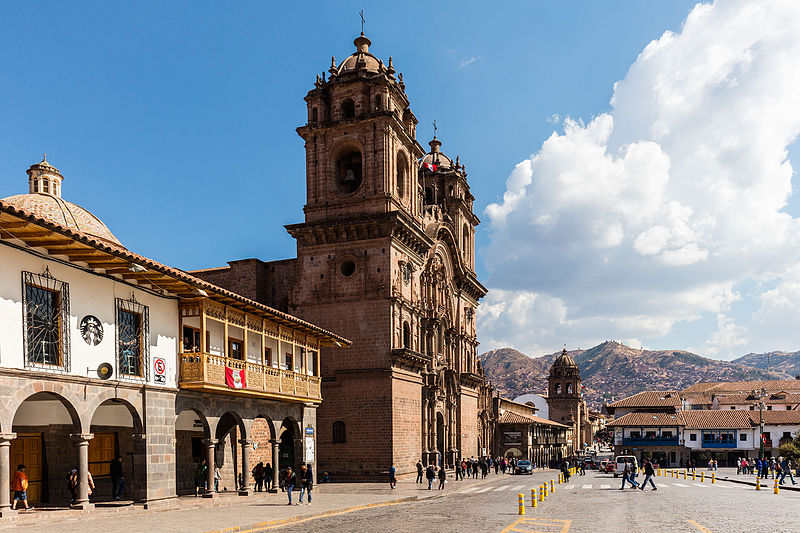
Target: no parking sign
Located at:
point(160, 368)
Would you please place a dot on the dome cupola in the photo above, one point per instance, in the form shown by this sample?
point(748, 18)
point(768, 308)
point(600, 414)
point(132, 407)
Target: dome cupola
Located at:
point(44, 178)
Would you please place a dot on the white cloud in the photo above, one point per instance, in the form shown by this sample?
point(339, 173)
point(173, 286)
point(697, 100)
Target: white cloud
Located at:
point(654, 213)
point(467, 62)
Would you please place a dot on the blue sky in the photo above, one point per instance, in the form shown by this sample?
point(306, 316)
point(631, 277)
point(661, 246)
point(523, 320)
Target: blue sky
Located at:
point(174, 121)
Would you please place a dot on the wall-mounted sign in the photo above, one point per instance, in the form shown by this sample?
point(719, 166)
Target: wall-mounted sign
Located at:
point(309, 430)
point(309, 449)
point(512, 438)
point(91, 330)
point(159, 370)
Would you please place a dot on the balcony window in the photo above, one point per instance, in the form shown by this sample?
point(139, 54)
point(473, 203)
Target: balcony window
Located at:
point(191, 339)
point(649, 434)
point(666, 434)
point(46, 320)
point(268, 356)
point(743, 437)
point(693, 437)
point(288, 365)
point(133, 333)
point(235, 349)
point(719, 437)
point(635, 435)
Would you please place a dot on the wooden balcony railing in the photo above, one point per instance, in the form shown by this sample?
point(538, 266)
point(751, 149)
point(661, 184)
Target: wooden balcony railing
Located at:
point(206, 372)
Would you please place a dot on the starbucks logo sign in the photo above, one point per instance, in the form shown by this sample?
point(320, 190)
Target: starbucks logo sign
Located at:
point(91, 330)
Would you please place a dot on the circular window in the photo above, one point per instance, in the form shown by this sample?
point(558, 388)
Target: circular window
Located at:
point(348, 172)
point(347, 268)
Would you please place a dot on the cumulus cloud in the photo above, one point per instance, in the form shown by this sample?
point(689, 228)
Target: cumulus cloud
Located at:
point(657, 212)
point(467, 62)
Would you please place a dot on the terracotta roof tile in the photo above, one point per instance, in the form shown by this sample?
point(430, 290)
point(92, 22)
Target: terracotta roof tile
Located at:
point(777, 417)
point(745, 386)
point(510, 417)
point(649, 418)
point(650, 398)
point(746, 398)
point(724, 419)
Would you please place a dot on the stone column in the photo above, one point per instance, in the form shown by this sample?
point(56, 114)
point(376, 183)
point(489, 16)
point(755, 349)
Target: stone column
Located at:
point(82, 442)
point(244, 489)
point(211, 446)
point(5, 474)
point(275, 467)
point(425, 422)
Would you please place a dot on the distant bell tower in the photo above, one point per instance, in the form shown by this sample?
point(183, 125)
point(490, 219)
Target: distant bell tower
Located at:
point(564, 397)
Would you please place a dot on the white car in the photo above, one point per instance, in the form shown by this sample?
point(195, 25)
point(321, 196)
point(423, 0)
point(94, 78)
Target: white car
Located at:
point(619, 464)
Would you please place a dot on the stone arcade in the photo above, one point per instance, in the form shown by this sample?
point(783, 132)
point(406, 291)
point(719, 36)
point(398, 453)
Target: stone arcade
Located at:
point(386, 257)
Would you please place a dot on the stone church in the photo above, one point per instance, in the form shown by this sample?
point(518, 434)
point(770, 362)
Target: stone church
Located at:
point(386, 258)
point(565, 401)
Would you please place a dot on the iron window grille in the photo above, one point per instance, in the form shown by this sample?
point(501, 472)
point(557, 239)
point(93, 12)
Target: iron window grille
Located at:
point(45, 324)
point(133, 339)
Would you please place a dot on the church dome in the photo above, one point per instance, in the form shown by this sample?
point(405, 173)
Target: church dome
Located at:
point(361, 59)
point(435, 159)
point(44, 201)
point(565, 360)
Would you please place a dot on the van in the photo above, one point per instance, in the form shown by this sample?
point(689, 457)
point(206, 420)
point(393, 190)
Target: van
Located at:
point(619, 464)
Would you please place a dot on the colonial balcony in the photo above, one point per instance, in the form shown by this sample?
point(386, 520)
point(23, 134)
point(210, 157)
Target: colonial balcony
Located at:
point(650, 441)
point(206, 372)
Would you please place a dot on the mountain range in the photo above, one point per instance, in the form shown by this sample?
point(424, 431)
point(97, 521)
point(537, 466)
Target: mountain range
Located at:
point(611, 370)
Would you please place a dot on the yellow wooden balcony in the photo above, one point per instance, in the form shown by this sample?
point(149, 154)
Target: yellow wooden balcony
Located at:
point(206, 372)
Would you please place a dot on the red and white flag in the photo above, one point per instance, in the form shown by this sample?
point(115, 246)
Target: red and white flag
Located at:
point(430, 166)
point(235, 379)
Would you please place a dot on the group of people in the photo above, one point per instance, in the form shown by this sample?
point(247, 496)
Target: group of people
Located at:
point(629, 473)
point(778, 468)
point(288, 480)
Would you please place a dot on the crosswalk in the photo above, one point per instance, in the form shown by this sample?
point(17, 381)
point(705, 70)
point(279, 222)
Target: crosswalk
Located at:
point(587, 486)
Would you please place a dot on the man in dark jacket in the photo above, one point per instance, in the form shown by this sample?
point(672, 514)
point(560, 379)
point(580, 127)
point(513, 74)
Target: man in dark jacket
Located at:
point(306, 482)
point(419, 471)
point(649, 472)
point(442, 478)
point(117, 478)
point(430, 476)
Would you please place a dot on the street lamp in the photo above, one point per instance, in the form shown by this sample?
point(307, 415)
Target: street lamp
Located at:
point(759, 395)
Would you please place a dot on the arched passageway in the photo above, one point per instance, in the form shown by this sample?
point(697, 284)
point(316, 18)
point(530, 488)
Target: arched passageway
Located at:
point(117, 433)
point(191, 437)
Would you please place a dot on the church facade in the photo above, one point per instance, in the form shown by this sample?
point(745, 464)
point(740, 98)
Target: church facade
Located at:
point(386, 258)
point(565, 401)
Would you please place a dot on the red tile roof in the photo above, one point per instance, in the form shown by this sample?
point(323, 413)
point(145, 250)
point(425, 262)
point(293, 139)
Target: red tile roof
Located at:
point(746, 399)
point(650, 398)
point(777, 417)
point(723, 419)
point(745, 386)
point(648, 418)
point(510, 417)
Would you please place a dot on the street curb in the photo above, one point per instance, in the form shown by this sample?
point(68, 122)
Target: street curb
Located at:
point(764, 486)
point(259, 526)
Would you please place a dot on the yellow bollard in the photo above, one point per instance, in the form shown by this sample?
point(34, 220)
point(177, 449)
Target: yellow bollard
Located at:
point(552, 486)
point(521, 502)
point(694, 476)
point(541, 493)
point(776, 490)
point(545, 490)
point(713, 477)
point(684, 474)
point(533, 498)
point(758, 483)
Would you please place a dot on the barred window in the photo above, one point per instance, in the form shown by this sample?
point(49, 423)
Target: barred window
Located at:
point(339, 434)
point(46, 320)
point(133, 338)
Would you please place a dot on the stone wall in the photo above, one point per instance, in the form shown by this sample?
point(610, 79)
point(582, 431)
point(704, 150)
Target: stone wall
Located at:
point(406, 417)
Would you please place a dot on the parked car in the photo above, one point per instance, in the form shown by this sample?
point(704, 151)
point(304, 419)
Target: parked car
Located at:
point(608, 467)
point(619, 464)
point(523, 467)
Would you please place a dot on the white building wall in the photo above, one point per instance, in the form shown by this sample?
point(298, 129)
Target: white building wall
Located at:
point(89, 294)
point(539, 403)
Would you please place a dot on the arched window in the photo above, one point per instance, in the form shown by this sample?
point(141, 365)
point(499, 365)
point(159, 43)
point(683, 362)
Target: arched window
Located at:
point(35, 185)
point(348, 171)
point(314, 114)
point(339, 433)
point(406, 335)
point(466, 243)
point(45, 185)
point(569, 388)
point(428, 196)
point(348, 108)
point(558, 388)
point(402, 170)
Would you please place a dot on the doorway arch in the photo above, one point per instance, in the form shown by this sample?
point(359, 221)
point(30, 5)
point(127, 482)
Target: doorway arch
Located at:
point(440, 428)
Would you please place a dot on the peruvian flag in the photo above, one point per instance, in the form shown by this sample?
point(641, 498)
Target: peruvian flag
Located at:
point(430, 166)
point(235, 379)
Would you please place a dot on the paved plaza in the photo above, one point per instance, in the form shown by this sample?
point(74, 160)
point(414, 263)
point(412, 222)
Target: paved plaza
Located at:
point(591, 503)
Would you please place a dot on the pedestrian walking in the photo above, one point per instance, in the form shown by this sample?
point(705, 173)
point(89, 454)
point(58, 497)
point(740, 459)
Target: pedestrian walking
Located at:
point(442, 478)
point(430, 475)
point(117, 478)
point(217, 477)
point(419, 471)
point(282, 479)
point(72, 485)
point(290, 482)
point(19, 484)
point(649, 472)
point(565, 470)
point(306, 482)
point(392, 477)
point(627, 475)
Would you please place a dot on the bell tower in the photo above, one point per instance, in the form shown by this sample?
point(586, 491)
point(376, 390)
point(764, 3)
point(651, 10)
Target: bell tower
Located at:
point(564, 399)
point(360, 140)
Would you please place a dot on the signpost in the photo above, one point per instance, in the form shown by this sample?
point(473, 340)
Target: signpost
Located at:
point(160, 370)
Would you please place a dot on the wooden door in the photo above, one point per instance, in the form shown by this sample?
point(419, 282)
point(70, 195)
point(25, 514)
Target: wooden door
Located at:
point(26, 449)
